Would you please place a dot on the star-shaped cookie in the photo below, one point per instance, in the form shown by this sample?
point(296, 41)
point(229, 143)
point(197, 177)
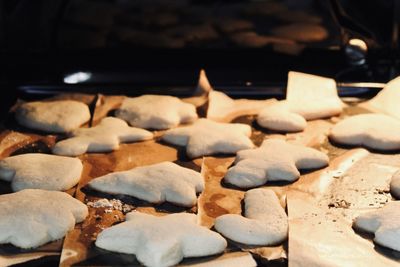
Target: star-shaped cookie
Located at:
point(274, 160)
point(206, 137)
point(384, 223)
point(156, 111)
point(33, 217)
point(156, 183)
point(161, 241)
point(40, 171)
point(376, 131)
point(265, 222)
point(104, 137)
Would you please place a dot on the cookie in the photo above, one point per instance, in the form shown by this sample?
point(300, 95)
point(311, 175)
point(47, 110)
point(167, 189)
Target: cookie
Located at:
point(312, 96)
point(376, 131)
point(104, 137)
point(264, 223)
point(161, 241)
point(33, 217)
point(278, 117)
point(274, 160)
point(384, 223)
point(395, 185)
point(156, 112)
point(156, 183)
point(40, 171)
point(308, 97)
point(206, 137)
point(59, 116)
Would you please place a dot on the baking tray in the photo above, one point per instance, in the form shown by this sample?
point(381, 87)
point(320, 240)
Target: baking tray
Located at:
point(217, 199)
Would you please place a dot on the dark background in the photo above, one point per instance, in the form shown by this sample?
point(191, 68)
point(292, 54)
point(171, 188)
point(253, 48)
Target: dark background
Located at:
point(130, 45)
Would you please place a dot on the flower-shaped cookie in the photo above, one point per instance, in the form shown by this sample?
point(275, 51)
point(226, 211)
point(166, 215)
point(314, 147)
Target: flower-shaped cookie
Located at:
point(104, 137)
point(384, 223)
point(206, 137)
point(274, 160)
point(156, 111)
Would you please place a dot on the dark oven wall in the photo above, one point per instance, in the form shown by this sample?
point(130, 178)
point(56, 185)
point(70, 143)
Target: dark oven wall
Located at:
point(147, 43)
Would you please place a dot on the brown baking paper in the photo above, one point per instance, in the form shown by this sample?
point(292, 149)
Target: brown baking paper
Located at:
point(79, 247)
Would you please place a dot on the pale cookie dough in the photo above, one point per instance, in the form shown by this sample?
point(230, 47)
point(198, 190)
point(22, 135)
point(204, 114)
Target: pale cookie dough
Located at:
point(274, 160)
point(312, 96)
point(156, 183)
point(59, 116)
point(33, 217)
point(308, 97)
point(264, 223)
point(206, 137)
point(395, 185)
point(40, 171)
point(279, 117)
point(104, 137)
point(376, 131)
point(161, 241)
point(156, 112)
point(384, 223)
point(387, 100)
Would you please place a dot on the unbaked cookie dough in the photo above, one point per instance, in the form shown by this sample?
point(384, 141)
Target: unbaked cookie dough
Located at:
point(384, 223)
point(104, 137)
point(274, 160)
point(59, 116)
point(156, 112)
point(33, 217)
point(206, 137)
point(264, 223)
point(156, 183)
point(395, 185)
point(161, 241)
point(376, 131)
point(40, 171)
point(308, 97)
point(278, 117)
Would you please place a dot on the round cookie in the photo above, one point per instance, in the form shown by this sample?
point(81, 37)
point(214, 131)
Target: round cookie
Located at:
point(59, 116)
point(41, 171)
